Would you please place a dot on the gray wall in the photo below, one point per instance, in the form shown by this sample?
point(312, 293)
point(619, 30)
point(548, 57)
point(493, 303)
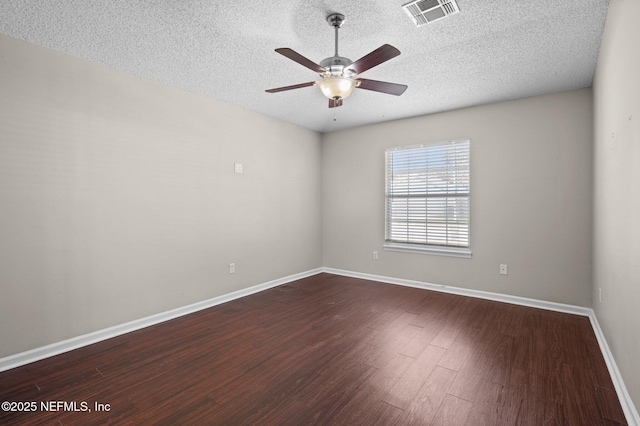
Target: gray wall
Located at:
point(531, 193)
point(118, 197)
point(616, 249)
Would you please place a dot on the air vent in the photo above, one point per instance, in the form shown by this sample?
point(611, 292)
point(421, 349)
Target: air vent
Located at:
point(427, 11)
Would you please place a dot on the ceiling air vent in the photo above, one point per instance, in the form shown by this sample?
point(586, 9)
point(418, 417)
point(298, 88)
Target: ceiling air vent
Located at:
point(426, 11)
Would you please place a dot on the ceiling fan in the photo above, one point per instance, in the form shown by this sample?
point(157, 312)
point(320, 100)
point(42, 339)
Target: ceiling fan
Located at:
point(339, 74)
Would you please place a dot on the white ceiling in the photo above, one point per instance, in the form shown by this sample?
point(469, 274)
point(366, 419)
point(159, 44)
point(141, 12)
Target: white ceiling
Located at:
point(492, 50)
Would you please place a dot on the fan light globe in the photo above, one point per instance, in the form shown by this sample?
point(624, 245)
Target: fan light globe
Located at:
point(337, 87)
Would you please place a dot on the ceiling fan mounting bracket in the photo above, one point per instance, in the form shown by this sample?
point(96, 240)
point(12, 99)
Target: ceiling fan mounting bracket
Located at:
point(336, 19)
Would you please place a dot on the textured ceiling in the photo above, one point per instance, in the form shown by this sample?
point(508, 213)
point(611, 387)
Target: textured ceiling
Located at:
point(492, 50)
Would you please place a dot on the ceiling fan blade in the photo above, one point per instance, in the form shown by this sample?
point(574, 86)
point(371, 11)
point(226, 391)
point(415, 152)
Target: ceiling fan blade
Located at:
point(378, 56)
point(295, 56)
point(334, 103)
point(295, 86)
point(381, 86)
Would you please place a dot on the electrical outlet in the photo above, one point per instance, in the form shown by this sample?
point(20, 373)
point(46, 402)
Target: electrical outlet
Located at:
point(237, 167)
point(503, 269)
point(232, 268)
point(375, 255)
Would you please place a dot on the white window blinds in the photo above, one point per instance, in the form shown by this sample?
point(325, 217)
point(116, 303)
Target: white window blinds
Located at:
point(427, 195)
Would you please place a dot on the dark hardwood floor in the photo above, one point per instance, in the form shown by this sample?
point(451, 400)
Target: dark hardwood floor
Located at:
point(333, 350)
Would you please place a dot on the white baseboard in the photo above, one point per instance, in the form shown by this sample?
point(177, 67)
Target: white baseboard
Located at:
point(37, 354)
point(630, 412)
point(515, 300)
point(628, 407)
point(47, 351)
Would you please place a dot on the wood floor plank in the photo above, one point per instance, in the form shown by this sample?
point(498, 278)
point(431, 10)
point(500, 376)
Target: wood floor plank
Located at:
point(452, 412)
point(393, 329)
point(463, 345)
point(485, 409)
point(389, 345)
point(474, 370)
point(446, 336)
point(405, 389)
point(334, 350)
point(607, 404)
point(358, 410)
point(427, 401)
point(423, 338)
point(501, 347)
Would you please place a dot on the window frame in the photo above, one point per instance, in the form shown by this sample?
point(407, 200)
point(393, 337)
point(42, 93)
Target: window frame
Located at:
point(424, 248)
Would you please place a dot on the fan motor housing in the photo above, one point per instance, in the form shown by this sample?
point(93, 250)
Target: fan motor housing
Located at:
point(336, 65)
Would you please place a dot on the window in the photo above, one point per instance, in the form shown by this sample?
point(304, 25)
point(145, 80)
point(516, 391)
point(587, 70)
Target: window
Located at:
point(427, 198)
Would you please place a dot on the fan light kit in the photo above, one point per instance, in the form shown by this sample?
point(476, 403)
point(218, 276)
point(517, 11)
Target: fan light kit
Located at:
point(339, 74)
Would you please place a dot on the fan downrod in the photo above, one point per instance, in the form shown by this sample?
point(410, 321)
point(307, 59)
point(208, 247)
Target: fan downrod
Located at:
point(336, 64)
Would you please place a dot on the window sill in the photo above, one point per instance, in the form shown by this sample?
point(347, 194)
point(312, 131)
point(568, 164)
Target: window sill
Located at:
point(435, 250)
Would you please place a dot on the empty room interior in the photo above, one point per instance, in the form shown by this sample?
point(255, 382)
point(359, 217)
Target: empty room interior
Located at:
point(209, 216)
